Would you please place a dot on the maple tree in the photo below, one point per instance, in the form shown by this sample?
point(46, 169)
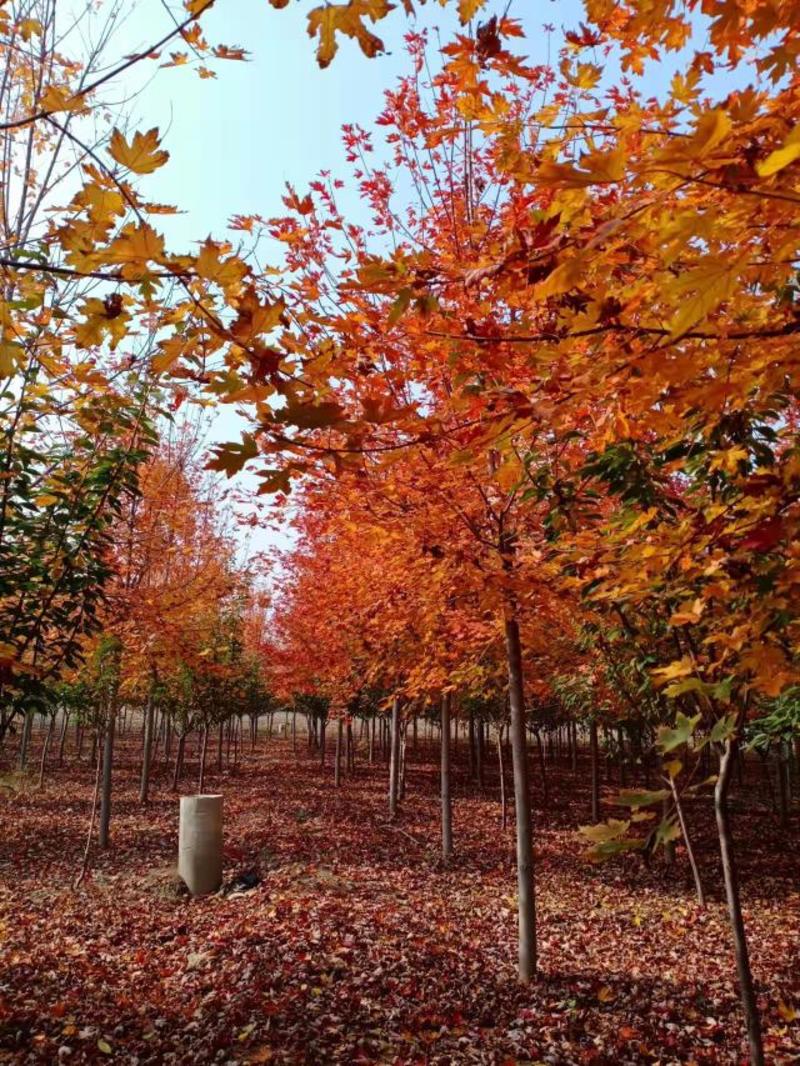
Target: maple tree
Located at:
point(538, 419)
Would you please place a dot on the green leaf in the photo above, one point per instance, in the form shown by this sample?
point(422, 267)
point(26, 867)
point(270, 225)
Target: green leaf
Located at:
point(670, 739)
point(629, 797)
point(689, 684)
point(605, 831)
point(399, 307)
point(667, 831)
point(611, 848)
point(104, 1046)
point(723, 729)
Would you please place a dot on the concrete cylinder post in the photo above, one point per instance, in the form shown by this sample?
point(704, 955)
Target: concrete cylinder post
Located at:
point(200, 843)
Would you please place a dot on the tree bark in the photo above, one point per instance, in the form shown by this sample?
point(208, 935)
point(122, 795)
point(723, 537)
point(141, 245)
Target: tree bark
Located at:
point(698, 884)
point(105, 789)
point(337, 770)
point(394, 759)
point(25, 739)
point(147, 749)
point(63, 739)
point(593, 749)
point(526, 892)
point(178, 762)
point(731, 879)
point(45, 749)
point(502, 771)
point(447, 807)
point(203, 750)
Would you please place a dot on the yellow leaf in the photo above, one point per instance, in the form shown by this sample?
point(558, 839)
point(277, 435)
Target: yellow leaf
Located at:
point(225, 272)
point(60, 98)
point(787, 1012)
point(677, 668)
point(134, 248)
point(701, 291)
point(606, 994)
point(565, 277)
point(781, 157)
point(45, 500)
point(467, 9)
point(141, 155)
point(30, 28)
point(11, 355)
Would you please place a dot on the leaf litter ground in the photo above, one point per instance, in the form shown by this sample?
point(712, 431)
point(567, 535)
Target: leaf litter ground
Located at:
point(357, 946)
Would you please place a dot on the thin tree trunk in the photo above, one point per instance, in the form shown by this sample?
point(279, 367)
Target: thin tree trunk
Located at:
point(447, 807)
point(85, 862)
point(593, 749)
point(105, 790)
point(479, 752)
point(784, 782)
point(526, 893)
point(63, 739)
point(503, 804)
point(337, 771)
point(542, 769)
point(669, 845)
point(473, 758)
point(294, 732)
point(401, 788)
point(25, 739)
point(147, 749)
point(178, 762)
point(730, 876)
point(322, 730)
point(203, 750)
point(394, 759)
point(698, 884)
point(220, 741)
point(46, 746)
point(372, 740)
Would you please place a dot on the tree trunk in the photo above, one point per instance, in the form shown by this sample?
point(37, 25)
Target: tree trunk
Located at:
point(294, 732)
point(542, 769)
point(394, 759)
point(473, 757)
point(526, 893)
point(337, 770)
point(784, 782)
point(178, 762)
point(147, 749)
point(503, 804)
point(669, 845)
point(63, 739)
point(322, 729)
point(105, 788)
point(25, 739)
point(593, 748)
point(45, 748)
point(401, 787)
point(698, 884)
point(203, 750)
point(447, 807)
point(372, 740)
point(730, 875)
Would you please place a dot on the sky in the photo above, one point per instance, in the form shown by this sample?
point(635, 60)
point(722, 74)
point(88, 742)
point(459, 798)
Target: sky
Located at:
point(237, 139)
